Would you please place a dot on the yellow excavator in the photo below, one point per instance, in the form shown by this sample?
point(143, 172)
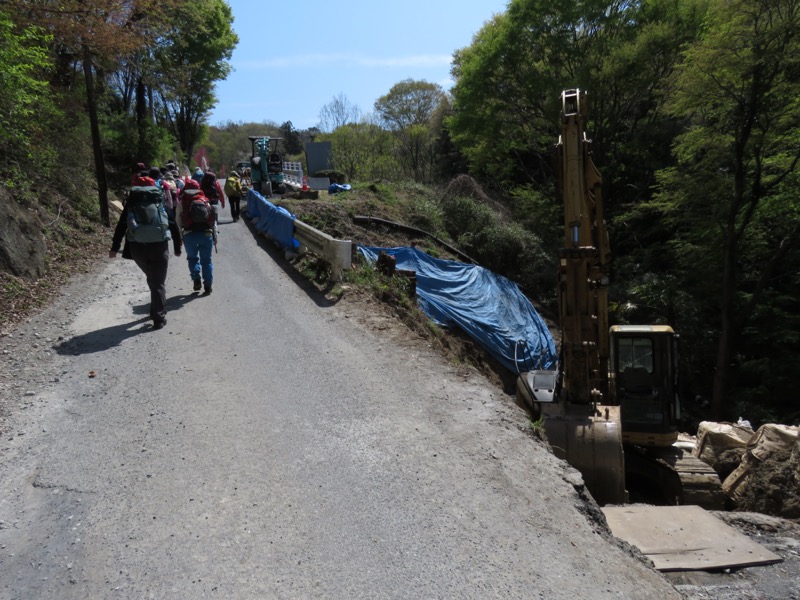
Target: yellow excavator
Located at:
point(610, 408)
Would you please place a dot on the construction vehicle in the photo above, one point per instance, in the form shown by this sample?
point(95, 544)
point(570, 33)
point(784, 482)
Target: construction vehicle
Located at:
point(610, 407)
point(266, 165)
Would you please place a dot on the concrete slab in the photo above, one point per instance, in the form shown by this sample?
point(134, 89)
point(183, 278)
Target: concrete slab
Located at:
point(685, 538)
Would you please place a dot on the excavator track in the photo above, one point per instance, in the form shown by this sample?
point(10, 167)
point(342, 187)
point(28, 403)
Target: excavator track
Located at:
point(671, 475)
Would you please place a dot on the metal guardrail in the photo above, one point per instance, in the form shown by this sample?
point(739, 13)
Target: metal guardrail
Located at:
point(337, 253)
point(281, 226)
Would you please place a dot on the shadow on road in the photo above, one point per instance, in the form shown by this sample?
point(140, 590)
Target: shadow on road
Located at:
point(108, 337)
point(174, 303)
point(279, 256)
point(102, 339)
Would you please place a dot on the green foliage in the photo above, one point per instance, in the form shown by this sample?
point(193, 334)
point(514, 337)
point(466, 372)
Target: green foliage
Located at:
point(409, 103)
point(508, 84)
point(192, 56)
point(126, 143)
point(464, 216)
point(26, 107)
point(423, 210)
point(228, 144)
point(505, 94)
point(408, 111)
point(539, 211)
point(362, 151)
point(396, 291)
point(730, 202)
point(502, 246)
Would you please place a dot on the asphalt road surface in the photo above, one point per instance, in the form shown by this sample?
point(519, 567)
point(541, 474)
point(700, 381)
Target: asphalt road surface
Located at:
point(270, 444)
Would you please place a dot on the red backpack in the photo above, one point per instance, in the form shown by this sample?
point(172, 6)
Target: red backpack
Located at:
point(197, 212)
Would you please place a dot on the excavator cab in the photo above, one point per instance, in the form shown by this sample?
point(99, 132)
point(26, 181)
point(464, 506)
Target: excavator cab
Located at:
point(642, 381)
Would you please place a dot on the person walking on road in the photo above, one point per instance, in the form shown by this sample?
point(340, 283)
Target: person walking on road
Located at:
point(199, 234)
point(145, 226)
point(233, 190)
point(213, 191)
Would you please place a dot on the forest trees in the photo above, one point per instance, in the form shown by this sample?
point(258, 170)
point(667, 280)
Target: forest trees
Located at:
point(139, 60)
point(731, 199)
point(89, 37)
point(407, 111)
point(25, 106)
point(338, 112)
point(694, 121)
point(363, 151)
point(193, 54)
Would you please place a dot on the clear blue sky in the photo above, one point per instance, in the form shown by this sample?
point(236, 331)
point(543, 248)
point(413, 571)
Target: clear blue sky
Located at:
point(293, 58)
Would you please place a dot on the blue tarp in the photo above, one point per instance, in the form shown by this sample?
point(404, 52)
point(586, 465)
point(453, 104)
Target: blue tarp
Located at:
point(488, 307)
point(335, 188)
point(275, 221)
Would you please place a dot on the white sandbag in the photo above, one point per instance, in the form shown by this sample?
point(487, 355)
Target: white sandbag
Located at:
point(713, 439)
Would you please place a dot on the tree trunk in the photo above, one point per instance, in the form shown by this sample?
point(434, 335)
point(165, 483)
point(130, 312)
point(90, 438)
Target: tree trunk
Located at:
point(728, 321)
point(99, 162)
point(141, 122)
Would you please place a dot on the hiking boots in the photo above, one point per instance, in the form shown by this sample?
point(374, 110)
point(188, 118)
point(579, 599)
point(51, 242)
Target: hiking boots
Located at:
point(197, 285)
point(207, 289)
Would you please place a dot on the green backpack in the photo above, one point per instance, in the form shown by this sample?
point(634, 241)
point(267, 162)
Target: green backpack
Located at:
point(233, 187)
point(147, 215)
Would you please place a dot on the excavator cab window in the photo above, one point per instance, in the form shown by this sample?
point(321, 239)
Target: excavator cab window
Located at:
point(634, 353)
point(636, 380)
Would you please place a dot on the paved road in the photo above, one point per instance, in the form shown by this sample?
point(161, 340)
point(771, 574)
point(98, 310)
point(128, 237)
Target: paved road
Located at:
point(268, 444)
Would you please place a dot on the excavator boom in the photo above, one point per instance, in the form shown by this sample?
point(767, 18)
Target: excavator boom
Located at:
point(614, 388)
point(581, 426)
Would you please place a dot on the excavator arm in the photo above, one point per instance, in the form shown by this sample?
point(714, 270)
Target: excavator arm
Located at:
point(615, 387)
point(581, 426)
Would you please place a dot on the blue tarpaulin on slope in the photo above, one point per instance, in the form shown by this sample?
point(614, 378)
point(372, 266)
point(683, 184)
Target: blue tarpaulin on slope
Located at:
point(275, 221)
point(488, 307)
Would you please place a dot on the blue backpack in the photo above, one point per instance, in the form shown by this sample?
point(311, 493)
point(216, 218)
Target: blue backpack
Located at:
point(147, 215)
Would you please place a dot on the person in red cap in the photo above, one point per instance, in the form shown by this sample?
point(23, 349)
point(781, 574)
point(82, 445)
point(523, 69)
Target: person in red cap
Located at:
point(213, 191)
point(136, 171)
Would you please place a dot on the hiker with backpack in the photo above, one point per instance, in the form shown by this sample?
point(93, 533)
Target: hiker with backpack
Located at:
point(147, 230)
point(233, 190)
point(199, 234)
point(213, 191)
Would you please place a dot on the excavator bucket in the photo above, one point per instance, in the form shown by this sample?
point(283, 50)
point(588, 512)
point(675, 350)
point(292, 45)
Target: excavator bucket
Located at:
point(591, 443)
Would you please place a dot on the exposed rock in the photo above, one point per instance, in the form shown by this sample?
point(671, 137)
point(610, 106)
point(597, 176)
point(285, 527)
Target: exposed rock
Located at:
point(22, 246)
